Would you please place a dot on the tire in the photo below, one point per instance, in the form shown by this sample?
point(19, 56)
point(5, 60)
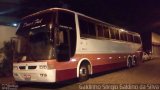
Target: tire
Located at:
point(129, 63)
point(134, 61)
point(83, 72)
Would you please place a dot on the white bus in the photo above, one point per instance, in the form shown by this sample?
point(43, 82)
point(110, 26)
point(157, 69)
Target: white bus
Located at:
point(59, 44)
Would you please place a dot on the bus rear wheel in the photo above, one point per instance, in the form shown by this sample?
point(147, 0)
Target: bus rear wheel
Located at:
point(83, 72)
point(134, 61)
point(129, 63)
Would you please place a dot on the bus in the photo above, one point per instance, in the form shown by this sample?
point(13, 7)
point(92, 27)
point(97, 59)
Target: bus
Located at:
point(58, 44)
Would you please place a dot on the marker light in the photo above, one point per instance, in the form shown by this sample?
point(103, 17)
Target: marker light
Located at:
point(122, 30)
point(43, 66)
point(14, 24)
point(73, 60)
point(15, 67)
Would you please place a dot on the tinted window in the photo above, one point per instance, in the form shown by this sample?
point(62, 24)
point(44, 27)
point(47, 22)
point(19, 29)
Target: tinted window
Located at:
point(130, 38)
point(137, 39)
point(83, 28)
point(66, 19)
point(112, 34)
point(123, 36)
point(116, 34)
point(106, 32)
point(100, 31)
point(87, 27)
point(91, 29)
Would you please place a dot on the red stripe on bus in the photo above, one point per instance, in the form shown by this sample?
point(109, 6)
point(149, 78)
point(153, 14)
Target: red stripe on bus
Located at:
point(107, 67)
point(66, 74)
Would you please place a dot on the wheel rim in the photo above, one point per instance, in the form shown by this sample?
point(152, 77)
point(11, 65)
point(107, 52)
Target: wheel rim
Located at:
point(133, 62)
point(83, 71)
point(129, 63)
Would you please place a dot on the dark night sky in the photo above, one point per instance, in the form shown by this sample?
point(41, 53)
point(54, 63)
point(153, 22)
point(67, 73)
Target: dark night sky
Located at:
point(133, 14)
point(138, 15)
point(142, 16)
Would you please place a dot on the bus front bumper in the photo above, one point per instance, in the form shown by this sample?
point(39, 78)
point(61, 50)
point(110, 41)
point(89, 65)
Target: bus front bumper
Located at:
point(46, 76)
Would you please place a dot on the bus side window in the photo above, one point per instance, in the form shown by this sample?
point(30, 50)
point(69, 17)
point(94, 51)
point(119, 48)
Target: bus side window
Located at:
point(100, 31)
point(87, 27)
point(83, 28)
point(130, 38)
point(116, 34)
point(134, 37)
point(112, 33)
point(91, 29)
point(137, 39)
point(106, 32)
point(123, 36)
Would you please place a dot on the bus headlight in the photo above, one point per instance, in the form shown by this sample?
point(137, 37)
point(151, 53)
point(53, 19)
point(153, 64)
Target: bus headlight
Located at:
point(15, 67)
point(15, 74)
point(42, 66)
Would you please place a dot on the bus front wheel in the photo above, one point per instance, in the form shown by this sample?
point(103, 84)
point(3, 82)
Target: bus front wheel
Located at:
point(83, 72)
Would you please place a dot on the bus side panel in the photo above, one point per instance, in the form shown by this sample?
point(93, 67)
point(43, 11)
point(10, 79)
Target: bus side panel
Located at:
point(66, 74)
point(108, 67)
point(104, 62)
point(65, 70)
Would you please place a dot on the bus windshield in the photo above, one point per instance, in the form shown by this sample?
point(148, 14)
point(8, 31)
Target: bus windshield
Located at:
point(35, 46)
point(35, 39)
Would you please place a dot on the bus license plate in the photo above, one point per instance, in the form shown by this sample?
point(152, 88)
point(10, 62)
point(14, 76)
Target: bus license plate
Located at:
point(27, 77)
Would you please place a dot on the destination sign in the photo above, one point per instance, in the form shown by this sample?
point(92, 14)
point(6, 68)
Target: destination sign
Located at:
point(33, 23)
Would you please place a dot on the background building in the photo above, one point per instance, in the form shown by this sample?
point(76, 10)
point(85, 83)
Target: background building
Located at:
point(156, 44)
point(6, 32)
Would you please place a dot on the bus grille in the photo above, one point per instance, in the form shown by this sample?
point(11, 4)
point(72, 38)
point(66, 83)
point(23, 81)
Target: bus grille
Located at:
point(22, 67)
point(32, 67)
point(25, 67)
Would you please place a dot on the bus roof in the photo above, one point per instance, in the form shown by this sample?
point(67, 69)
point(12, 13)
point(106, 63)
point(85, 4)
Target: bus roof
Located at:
point(62, 9)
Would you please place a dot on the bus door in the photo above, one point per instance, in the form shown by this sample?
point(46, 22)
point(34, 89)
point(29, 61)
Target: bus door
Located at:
point(63, 50)
point(66, 35)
